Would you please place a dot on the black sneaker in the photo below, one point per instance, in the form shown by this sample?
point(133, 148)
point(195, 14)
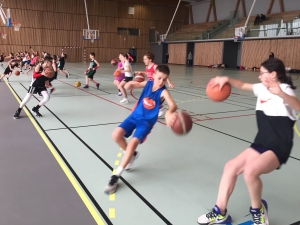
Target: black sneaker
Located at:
point(17, 114)
point(36, 112)
point(112, 185)
point(51, 90)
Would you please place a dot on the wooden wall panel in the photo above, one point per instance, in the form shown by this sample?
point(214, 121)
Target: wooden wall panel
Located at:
point(59, 23)
point(255, 52)
point(177, 53)
point(208, 53)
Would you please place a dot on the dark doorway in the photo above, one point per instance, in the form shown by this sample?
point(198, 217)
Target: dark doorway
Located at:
point(133, 53)
point(232, 54)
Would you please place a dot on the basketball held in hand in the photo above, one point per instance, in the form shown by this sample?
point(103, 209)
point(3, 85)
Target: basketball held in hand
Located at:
point(139, 77)
point(217, 95)
point(183, 123)
point(117, 73)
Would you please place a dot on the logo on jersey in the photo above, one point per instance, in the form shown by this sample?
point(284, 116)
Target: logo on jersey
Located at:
point(264, 101)
point(148, 103)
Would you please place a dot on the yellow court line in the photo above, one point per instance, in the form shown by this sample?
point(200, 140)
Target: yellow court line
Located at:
point(119, 154)
point(80, 192)
point(296, 128)
point(117, 162)
point(112, 197)
point(112, 213)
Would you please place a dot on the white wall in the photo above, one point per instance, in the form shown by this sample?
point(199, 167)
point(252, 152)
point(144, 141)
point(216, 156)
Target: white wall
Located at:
point(225, 8)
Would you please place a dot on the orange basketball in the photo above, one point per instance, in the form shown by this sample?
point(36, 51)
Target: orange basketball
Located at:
point(139, 77)
point(49, 72)
point(218, 95)
point(117, 73)
point(183, 123)
point(114, 62)
point(17, 72)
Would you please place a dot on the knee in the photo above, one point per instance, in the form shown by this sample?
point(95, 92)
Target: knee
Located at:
point(46, 98)
point(250, 173)
point(117, 134)
point(231, 168)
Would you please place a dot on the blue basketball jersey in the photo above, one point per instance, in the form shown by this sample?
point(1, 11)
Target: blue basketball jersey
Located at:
point(148, 104)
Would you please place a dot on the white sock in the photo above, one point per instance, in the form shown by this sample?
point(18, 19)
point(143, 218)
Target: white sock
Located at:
point(119, 171)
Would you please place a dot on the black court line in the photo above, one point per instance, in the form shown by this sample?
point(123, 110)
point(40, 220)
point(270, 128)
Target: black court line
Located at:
point(102, 213)
point(296, 223)
point(94, 125)
point(233, 136)
point(106, 164)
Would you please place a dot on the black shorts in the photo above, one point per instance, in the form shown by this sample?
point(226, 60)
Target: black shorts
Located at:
point(261, 150)
point(61, 67)
point(127, 79)
point(36, 90)
point(7, 71)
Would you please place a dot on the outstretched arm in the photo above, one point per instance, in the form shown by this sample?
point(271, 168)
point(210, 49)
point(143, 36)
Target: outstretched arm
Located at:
point(170, 116)
point(233, 82)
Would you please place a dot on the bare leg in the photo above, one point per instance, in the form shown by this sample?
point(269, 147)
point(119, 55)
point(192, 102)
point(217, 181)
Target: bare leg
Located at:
point(265, 163)
point(232, 169)
point(122, 89)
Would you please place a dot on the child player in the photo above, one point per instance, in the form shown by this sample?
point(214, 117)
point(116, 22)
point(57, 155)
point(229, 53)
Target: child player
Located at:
point(90, 72)
point(142, 120)
point(38, 85)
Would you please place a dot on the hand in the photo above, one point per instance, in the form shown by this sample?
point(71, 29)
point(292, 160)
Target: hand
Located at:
point(273, 87)
point(170, 118)
point(219, 81)
point(171, 85)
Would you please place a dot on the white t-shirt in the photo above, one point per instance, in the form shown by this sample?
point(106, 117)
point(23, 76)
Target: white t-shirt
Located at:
point(128, 74)
point(273, 105)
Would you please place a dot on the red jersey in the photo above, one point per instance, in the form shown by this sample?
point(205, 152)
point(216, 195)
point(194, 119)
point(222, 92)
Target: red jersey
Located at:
point(150, 71)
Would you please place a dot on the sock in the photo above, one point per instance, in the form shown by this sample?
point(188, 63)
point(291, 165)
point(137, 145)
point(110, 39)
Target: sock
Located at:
point(37, 107)
point(119, 171)
point(19, 109)
point(119, 90)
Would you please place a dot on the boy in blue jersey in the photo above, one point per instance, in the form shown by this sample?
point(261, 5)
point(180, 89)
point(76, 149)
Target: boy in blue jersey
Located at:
point(142, 120)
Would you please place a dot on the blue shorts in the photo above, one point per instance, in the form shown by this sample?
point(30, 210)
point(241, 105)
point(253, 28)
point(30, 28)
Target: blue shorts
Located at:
point(141, 126)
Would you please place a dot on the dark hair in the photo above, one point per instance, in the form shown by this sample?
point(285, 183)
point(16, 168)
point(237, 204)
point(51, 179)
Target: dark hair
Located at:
point(150, 55)
point(125, 55)
point(163, 69)
point(276, 65)
point(65, 56)
point(48, 58)
point(92, 53)
point(55, 57)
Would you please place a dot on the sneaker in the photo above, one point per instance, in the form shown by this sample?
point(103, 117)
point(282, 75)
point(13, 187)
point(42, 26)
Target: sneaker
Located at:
point(260, 216)
point(98, 85)
point(112, 185)
point(36, 112)
point(119, 94)
point(134, 157)
point(86, 86)
point(17, 114)
point(7, 79)
point(52, 90)
point(124, 101)
point(215, 217)
point(68, 75)
point(161, 112)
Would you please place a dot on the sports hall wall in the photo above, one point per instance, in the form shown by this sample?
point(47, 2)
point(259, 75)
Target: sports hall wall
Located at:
point(225, 8)
point(51, 25)
point(254, 52)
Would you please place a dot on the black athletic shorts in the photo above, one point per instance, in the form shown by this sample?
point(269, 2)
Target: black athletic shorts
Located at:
point(36, 90)
point(127, 79)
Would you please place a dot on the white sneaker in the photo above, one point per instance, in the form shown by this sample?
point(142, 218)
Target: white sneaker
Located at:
point(112, 185)
point(134, 157)
point(119, 94)
point(161, 112)
point(124, 101)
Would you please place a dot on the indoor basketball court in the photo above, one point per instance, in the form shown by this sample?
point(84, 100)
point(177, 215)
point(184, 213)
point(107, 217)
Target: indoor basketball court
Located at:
point(55, 167)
